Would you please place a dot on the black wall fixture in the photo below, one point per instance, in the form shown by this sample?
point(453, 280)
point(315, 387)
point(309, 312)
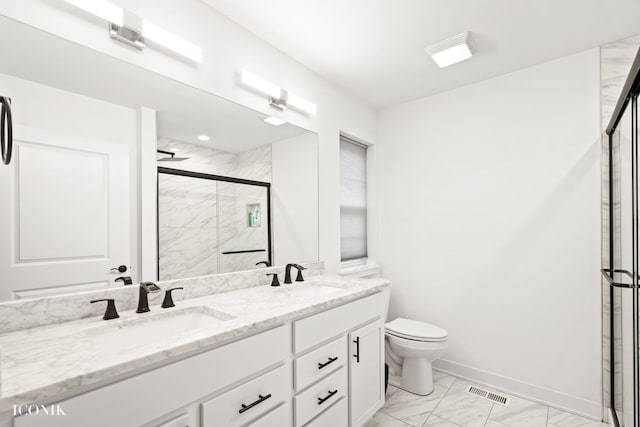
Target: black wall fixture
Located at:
point(6, 130)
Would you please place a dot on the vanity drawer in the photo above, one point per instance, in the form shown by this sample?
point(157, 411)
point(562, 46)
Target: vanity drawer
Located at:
point(258, 397)
point(321, 327)
point(321, 396)
point(336, 415)
point(279, 417)
point(320, 363)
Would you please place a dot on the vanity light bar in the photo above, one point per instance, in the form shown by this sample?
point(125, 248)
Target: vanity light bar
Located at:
point(102, 9)
point(260, 84)
point(116, 15)
point(172, 42)
point(299, 103)
point(279, 98)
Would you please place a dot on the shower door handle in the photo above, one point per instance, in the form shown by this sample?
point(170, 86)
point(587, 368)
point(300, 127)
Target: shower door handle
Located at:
point(608, 274)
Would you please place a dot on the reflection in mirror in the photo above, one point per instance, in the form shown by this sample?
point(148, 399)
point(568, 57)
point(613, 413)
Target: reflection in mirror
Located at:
point(71, 211)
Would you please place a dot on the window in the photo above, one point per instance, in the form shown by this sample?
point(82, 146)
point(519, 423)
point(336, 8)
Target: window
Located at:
point(353, 200)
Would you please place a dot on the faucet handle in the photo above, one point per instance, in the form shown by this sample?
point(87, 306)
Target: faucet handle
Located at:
point(110, 312)
point(266, 263)
point(168, 299)
point(275, 281)
point(126, 280)
point(299, 277)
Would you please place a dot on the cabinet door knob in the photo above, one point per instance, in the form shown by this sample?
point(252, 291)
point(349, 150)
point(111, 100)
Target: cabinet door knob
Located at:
point(357, 355)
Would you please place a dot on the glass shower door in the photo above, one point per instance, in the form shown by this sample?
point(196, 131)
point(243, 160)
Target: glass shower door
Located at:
point(624, 295)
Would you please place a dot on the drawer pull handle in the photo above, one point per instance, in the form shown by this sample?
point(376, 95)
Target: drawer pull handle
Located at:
point(331, 360)
point(261, 399)
point(357, 355)
point(321, 400)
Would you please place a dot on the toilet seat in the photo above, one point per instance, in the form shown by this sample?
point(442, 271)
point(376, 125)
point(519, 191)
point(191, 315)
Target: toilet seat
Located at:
point(415, 331)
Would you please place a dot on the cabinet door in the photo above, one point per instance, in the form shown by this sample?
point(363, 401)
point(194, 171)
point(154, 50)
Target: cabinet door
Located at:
point(366, 354)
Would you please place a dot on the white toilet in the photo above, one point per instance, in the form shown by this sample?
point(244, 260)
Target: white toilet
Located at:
point(411, 348)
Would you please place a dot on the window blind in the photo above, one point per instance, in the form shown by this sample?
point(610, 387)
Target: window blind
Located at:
point(353, 200)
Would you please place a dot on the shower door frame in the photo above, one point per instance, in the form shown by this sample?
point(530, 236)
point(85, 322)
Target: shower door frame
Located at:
point(211, 177)
point(628, 99)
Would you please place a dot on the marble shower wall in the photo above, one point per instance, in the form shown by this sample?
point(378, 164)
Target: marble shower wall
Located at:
point(615, 62)
point(199, 219)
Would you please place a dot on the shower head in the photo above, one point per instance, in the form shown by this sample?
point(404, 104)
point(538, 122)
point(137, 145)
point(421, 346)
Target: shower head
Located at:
point(172, 157)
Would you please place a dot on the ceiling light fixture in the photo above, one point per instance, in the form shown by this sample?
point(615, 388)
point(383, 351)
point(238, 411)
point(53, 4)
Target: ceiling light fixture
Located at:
point(274, 121)
point(450, 51)
point(133, 30)
point(278, 97)
point(203, 137)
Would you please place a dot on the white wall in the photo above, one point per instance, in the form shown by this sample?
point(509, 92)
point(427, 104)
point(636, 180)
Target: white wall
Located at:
point(490, 226)
point(228, 49)
point(294, 198)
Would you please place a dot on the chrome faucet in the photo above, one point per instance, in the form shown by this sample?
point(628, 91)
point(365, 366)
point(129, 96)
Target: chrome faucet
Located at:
point(143, 301)
point(287, 273)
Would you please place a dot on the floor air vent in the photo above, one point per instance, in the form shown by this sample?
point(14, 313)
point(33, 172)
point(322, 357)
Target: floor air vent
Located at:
point(488, 395)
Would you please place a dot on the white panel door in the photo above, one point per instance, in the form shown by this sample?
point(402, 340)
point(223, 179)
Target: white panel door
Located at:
point(64, 216)
point(366, 372)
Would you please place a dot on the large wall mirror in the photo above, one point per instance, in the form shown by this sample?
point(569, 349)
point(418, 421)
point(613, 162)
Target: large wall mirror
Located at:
point(243, 195)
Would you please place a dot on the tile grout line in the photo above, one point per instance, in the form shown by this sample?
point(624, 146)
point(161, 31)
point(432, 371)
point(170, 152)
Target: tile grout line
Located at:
point(547, 422)
point(489, 415)
point(438, 404)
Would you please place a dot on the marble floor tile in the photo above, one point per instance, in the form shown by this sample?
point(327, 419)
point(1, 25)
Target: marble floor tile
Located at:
point(462, 408)
point(412, 408)
point(520, 413)
point(558, 418)
point(381, 419)
point(492, 423)
point(390, 390)
point(434, 421)
point(443, 379)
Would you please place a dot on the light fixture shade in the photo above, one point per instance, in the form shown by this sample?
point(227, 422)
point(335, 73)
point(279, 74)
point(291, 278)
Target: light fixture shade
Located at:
point(450, 51)
point(170, 41)
point(203, 137)
point(260, 84)
point(300, 103)
point(274, 121)
point(102, 9)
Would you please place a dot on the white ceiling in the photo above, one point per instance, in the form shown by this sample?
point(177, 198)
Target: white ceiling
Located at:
point(183, 112)
point(374, 48)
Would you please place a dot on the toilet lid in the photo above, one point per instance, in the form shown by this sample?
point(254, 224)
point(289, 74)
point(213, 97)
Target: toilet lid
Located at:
point(415, 330)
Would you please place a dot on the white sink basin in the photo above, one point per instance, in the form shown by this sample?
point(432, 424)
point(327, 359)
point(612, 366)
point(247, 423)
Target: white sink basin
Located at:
point(156, 328)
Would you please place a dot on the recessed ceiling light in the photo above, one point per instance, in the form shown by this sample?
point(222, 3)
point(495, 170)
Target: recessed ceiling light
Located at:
point(274, 121)
point(204, 137)
point(450, 51)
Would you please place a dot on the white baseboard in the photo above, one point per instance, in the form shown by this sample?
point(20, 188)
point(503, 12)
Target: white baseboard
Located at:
point(566, 402)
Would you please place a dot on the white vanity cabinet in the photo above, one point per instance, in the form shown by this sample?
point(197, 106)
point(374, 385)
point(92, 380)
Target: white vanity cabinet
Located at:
point(339, 364)
point(366, 371)
point(154, 395)
point(324, 370)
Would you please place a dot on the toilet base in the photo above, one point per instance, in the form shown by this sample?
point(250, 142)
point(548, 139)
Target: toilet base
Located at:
point(417, 376)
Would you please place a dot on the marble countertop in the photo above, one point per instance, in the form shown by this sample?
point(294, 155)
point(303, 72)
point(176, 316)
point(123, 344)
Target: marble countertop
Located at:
point(41, 363)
